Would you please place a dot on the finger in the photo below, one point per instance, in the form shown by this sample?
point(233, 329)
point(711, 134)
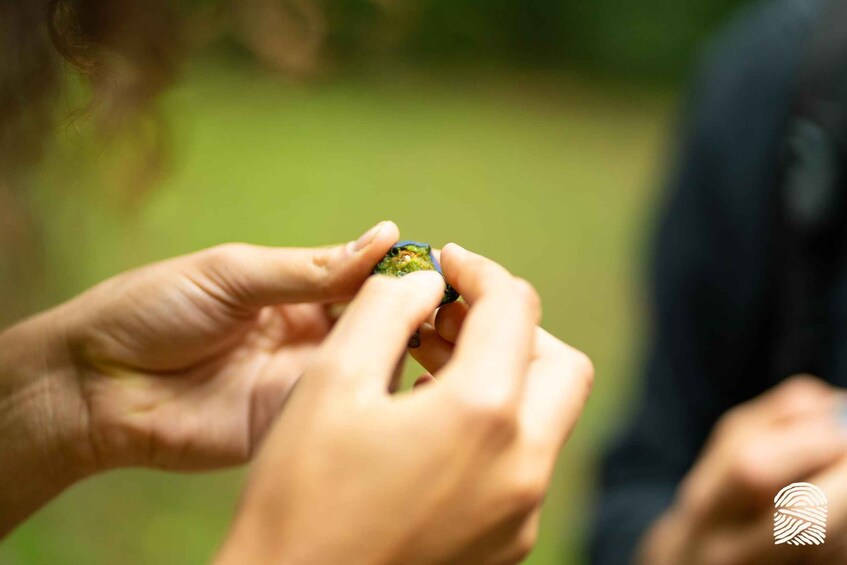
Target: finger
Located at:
point(796, 397)
point(433, 352)
point(370, 338)
point(250, 276)
point(397, 375)
point(496, 343)
point(468, 272)
point(752, 541)
point(833, 482)
point(559, 382)
point(449, 320)
point(747, 474)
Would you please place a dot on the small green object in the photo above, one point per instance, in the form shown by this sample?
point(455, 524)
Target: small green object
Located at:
point(409, 256)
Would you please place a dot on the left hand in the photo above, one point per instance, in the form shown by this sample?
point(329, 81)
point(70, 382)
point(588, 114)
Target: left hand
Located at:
point(177, 365)
point(183, 364)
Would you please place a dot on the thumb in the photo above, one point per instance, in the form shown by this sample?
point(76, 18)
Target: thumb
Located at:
point(251, 276)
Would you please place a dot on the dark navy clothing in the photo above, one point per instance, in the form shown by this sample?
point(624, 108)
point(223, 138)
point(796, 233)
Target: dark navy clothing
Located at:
point(712, 301)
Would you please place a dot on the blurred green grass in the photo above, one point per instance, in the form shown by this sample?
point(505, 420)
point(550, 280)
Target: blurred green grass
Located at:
point(548, 174)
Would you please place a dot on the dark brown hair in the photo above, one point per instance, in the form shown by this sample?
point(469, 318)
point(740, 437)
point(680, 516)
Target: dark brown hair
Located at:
point(127, 51)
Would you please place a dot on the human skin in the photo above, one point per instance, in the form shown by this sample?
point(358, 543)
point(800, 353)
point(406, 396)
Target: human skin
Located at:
point(177, 365)
point(723, 513)
point(186, 364)
point(452, 472)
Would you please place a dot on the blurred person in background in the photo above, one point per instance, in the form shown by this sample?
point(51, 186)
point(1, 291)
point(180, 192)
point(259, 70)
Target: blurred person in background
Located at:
point(188, 364)
point(750, 283)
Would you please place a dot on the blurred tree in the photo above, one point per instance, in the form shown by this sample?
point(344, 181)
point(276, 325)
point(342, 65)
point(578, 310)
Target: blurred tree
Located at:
point(648, 38)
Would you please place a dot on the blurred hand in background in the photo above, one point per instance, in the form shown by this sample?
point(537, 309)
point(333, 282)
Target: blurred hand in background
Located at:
point(724, 507)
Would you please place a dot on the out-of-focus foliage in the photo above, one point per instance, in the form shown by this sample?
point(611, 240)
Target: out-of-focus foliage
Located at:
point(646, 38)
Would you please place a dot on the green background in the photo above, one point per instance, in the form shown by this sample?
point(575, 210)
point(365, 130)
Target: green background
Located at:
point(546, 159)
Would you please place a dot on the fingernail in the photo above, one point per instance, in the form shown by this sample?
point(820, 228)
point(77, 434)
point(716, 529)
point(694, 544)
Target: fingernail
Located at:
point(415, 340)
point(367, 237)
point(455, 248)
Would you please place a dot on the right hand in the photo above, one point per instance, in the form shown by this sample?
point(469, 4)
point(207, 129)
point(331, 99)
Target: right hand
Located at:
point(723, 511)
point(450, 472)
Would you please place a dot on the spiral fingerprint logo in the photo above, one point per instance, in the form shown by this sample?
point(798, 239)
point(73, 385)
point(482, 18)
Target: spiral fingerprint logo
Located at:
point(800, 517)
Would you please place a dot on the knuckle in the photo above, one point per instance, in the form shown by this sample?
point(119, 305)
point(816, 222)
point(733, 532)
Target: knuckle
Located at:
point(525, 543)
point(322, 273)
point(691, 497)
point(327, 367)
point(801, 387)
point(748, 470)
point(497, 420)
point(577, 366)
point(219, 272)
point(781, 403)
point(526, 493)
point(225, 254)
point(732, 420)
point(584, 367)
point(798, 395)
point(494, 414)
point(527, 296)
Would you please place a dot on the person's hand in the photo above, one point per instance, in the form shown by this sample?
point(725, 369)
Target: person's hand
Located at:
point(724, 508)
point(451, 472)
point(177, 365)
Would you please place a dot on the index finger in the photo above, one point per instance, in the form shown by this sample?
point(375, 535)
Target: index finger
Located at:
point(495, 346)
point(251, 276)
point(559, 383)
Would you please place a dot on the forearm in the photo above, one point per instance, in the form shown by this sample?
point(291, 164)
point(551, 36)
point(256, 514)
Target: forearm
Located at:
point(43, 444)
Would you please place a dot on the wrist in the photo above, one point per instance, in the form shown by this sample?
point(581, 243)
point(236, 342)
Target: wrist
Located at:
point(43, 419)
point(262, 533)
point(248, 542)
